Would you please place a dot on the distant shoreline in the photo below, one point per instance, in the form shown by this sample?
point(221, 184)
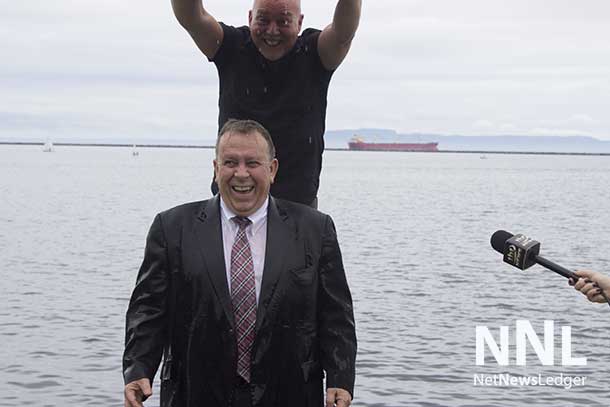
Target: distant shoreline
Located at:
point(482, 152)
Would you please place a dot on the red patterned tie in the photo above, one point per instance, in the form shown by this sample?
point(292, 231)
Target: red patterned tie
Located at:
point(243, 296)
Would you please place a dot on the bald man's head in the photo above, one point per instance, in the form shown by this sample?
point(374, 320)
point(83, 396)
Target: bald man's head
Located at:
point(275, 26)
point(296, 4)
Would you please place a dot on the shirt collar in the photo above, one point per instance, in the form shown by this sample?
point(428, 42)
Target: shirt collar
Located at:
point(256, 218)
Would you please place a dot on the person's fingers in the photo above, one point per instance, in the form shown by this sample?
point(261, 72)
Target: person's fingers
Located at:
point(146, 389)
point(331, 394)
point(584, 273)
point(587, 288)
point(338, 397)
point(603, 282)
point(584, 282)
point(594, 295)
point(131, 399)
point(342, 402)
point(580, 284)
point(136, 392)
point(591, 283)
point(590, 276)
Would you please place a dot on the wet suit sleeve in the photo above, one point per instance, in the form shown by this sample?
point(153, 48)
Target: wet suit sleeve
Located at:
point(335, 315)
point(146, 325)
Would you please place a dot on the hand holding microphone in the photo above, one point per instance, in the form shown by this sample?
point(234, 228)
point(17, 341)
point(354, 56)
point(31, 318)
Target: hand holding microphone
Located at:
point(592, 284)
point(522, 252)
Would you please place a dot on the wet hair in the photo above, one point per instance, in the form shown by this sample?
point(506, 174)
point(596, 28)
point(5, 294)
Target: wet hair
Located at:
point(246, 127)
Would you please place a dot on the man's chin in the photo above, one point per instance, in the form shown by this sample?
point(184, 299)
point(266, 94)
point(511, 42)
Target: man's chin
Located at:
point(243, 208)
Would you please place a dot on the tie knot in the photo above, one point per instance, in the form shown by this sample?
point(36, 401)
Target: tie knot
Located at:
point(241, 221)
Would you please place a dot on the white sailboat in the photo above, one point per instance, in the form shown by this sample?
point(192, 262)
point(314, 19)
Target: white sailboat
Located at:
point(134, 151)
point(48, 147)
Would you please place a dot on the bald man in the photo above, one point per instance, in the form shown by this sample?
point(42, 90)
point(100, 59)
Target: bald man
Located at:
point(271, 73)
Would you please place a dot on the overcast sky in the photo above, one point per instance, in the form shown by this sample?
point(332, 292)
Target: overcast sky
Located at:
point(125, 69)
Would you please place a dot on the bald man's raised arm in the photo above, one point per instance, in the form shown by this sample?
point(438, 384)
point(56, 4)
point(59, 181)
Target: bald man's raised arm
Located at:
point(335, 39)
point(202, 27)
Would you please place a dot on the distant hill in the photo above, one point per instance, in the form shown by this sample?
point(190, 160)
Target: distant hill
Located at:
point(340, 138)
point(557, 144)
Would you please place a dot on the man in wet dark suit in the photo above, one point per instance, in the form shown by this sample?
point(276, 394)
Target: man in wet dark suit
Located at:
point(244, 295)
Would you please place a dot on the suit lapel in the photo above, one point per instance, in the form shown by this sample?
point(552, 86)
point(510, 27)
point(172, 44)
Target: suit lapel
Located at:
point(280, 236)
point(208, 230)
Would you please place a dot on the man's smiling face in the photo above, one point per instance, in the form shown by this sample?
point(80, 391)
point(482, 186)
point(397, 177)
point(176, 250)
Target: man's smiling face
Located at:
point(244, 171)
point(275, 26)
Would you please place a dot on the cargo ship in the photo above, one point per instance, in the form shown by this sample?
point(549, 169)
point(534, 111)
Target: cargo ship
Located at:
point(356, 143)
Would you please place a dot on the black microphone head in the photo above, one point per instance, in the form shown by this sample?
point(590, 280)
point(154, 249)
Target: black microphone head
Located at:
point(498, 240)
point(518, 250)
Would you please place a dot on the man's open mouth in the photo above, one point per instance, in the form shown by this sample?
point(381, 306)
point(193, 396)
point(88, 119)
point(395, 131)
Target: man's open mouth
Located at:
point(242, 189)
point(272, 42)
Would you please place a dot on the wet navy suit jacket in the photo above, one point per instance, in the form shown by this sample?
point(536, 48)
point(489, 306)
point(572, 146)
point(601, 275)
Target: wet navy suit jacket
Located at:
point(304, 323)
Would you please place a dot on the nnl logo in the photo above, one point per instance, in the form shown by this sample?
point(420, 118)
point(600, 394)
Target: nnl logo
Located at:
point(525, 331)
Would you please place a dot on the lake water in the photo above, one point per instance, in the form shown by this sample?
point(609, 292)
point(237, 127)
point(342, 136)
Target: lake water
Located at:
point(414, 229)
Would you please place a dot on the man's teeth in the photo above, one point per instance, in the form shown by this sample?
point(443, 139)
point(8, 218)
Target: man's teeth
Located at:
point(272, 43)
point(242, 188)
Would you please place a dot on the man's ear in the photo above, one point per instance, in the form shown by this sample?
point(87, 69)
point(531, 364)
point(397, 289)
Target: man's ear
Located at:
point(250, 17)
point(215, 163)
point(274, 167)
point(301, 21)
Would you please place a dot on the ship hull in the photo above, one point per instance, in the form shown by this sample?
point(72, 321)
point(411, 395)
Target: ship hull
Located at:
point(362, 146)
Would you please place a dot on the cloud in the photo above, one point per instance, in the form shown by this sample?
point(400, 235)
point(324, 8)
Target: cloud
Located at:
point(583, 119)
point(483, 124)
point(442, 65)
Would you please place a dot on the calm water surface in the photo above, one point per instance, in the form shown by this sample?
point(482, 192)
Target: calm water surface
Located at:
point(414, 230)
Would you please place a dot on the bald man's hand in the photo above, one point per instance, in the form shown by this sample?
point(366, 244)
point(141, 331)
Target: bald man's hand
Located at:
point(136, 392)
point(338, 397)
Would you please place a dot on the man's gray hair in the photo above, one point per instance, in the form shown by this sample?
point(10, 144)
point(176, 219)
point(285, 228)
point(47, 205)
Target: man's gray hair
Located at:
point(246, 127)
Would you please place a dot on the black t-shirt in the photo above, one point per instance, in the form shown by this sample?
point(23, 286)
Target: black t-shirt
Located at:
point(287, 96)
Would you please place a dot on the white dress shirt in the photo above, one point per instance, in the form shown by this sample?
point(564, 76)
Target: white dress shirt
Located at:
point(256, 233)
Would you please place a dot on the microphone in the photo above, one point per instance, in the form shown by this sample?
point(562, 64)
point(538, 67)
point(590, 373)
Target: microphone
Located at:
point(522, 252)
